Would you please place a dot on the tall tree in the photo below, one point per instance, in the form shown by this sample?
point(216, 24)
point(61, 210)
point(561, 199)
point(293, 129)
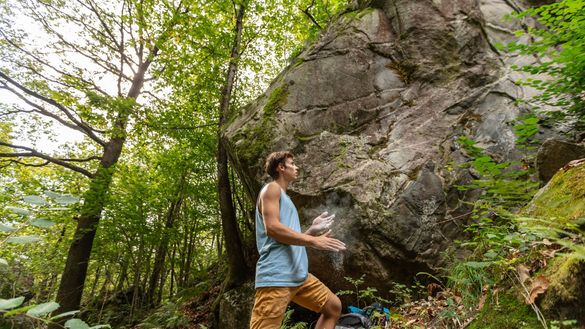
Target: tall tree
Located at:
point(238, 270)
point(56, 78)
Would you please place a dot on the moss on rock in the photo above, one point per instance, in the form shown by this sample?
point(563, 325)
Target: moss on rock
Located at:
point(509, 312)
point(561, 204)
point(564, 297)
point(256, 138)
point(563, 199)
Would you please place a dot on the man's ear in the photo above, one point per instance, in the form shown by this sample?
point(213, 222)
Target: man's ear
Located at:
point(281, 167)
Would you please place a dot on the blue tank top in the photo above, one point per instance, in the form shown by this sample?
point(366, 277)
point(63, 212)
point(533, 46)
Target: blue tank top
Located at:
point(280, 265)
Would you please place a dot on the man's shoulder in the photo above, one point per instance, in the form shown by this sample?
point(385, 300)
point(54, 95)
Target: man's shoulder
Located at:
point(271, 190)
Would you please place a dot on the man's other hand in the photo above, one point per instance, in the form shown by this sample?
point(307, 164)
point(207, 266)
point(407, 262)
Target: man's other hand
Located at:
point(325, 242)
point(321, 224)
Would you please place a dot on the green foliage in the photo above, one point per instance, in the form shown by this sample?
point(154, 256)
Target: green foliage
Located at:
point(35, 204)
point(364, 295)
point(495, 240)
point(402, 293)
point(167, 316)
point(558, 41)
point(287, 322)
point(525, 129)
point(504, 184)
point(505, 311)
point(567, 324)
point(41, 314)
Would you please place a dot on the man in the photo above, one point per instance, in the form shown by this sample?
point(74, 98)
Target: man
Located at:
point(282, 270)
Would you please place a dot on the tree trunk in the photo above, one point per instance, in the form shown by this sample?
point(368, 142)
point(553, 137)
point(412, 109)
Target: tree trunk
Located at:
point(237, 266)
point(161, 251)
point(75, 272)
point(173, 276)
point(73, 278)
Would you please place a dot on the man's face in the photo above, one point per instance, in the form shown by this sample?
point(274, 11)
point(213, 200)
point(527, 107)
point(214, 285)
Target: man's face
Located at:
point(289, 169)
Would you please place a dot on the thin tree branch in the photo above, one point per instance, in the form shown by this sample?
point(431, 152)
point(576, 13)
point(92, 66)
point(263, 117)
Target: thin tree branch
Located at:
point(306, 11)
point(47, 64)
point(87, 53)
point(133, 42)
point(91, 158)
point(26, 164)
point(81, 126)
point(169, 127)
point(80, 21)
point(36, 154)
point(119, 45)
point(121, 48)
point(94, 9)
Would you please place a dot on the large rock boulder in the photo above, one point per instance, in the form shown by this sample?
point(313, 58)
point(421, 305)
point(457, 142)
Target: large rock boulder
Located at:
point(562, 202)
point(373, 110)
point(235, 307)
point(554, 154)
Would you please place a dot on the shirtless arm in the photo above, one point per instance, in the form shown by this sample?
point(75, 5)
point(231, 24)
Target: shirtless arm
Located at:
point(270, 208)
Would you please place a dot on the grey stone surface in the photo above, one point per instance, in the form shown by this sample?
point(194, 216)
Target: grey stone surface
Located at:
point(553, 155)
point(372, 110)
point(235, 307)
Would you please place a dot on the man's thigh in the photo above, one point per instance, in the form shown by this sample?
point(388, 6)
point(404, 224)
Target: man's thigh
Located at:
point(269, 307)
point(312, 295)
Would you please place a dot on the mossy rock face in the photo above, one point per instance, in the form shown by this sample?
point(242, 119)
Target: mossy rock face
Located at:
point(509, 312)
point(565, 296)
point(563, 198)
point(562, 202)
point(235, 307)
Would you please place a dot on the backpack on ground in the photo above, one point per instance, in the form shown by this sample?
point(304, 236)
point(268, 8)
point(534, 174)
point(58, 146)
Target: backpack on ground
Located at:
point(352, 321)
point(373, 315)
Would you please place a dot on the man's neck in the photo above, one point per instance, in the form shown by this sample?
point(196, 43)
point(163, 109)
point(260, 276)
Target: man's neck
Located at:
point(283, 183)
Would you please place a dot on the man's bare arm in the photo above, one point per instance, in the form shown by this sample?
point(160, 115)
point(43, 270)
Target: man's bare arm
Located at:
point(270, 205)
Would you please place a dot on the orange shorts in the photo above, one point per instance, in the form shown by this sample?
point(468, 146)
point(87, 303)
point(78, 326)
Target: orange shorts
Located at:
point(270, 303)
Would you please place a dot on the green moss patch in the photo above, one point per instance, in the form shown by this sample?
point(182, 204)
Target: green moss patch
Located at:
point(563, 199)
point(507, 313)
point(255, 139)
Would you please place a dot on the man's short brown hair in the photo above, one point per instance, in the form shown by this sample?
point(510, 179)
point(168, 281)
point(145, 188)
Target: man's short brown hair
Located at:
point(273, 160)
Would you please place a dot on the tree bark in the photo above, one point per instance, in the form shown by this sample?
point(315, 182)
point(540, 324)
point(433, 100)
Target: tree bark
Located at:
point(73, 278)
point(237, 266)
point(161, 251)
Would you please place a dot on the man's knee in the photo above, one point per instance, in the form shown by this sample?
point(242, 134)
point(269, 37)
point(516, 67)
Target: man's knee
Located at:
point(333, 306)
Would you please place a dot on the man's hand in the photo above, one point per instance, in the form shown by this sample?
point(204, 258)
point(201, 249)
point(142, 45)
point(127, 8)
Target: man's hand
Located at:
point(324, 242)
point(321, 224)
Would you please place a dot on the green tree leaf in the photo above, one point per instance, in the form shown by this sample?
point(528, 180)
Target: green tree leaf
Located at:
point(52, 194)
point(42, 223)
point(34, 200)
point(3, 262)
point(20, 211)
point(66, 200)
point(19, 310)
point(76, 324)
point(7, 304)
point(478, 264)
point(63, 315)
point(6, 228)
point(43, 309)
point(23, 239)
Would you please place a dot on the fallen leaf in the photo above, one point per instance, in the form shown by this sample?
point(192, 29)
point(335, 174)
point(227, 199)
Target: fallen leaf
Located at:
point(539, 286)
point(496, 295)
point(549, 253)
point(483, 297)
point(546, 242)
point(523, 273)
point(432, 287)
